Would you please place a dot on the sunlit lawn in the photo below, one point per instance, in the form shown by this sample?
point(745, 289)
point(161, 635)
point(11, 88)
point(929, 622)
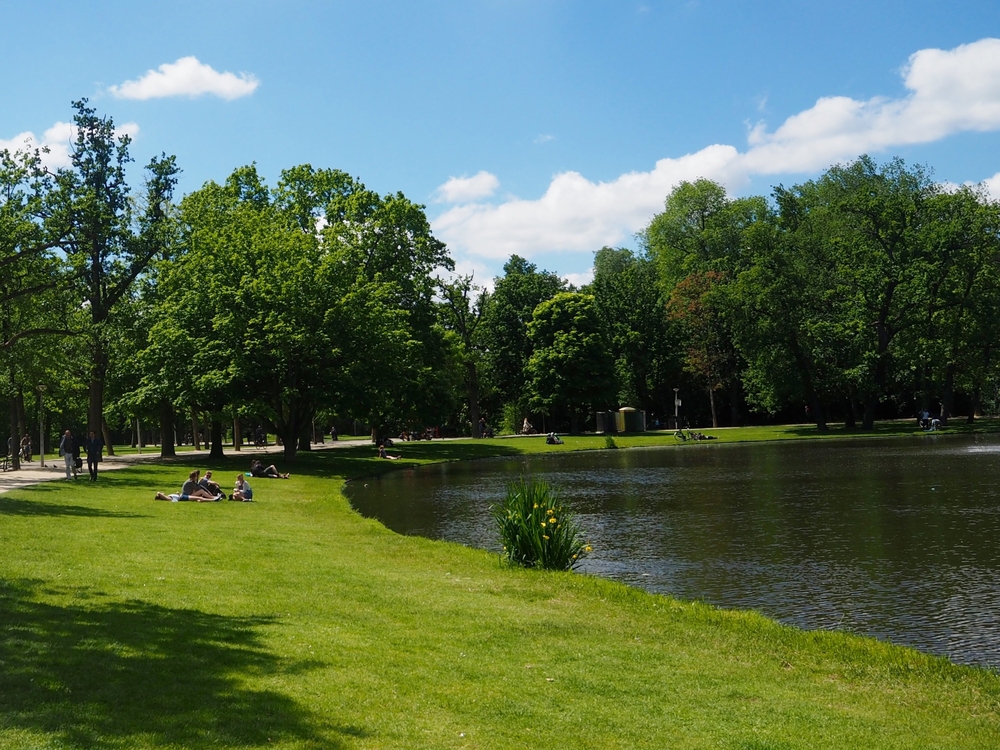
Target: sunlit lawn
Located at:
point(292, 622)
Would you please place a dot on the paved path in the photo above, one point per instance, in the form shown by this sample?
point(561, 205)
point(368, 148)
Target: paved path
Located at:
point(33, 473)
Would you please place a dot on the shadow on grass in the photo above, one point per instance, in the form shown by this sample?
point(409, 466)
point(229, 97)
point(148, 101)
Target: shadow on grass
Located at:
point(13, 507)
point(135, 674)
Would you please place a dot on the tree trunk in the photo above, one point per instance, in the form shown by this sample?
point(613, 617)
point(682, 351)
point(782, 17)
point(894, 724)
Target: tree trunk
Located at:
point(109, 445)
point(22, 420)
point(948, 394)
point(817, 409)
point(216, 437)
point(15, 438)
point(195, 440)
point(472, 380)
point(711, 404)
point(167, 449)
point(735, 418)
point(850, 416)
point(237, 434)
point(304, 430)
point(95, 410)
point(974, 406)
point(871, 407)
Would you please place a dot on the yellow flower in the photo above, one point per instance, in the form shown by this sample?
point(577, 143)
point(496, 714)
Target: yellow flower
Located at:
point(588, 548)
point(544, 536)
point(536, 505)
point(543, 523)
point(553, 519)
point(550, 511)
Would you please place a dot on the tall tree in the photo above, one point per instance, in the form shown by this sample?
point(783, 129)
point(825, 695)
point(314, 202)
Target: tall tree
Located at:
point(504, 330)
point(570, 371)
point(644, 343)
point(92, 209)
point(462, 310)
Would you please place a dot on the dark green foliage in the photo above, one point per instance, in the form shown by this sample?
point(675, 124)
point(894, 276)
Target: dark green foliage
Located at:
point(535, 530)
point(570, 372)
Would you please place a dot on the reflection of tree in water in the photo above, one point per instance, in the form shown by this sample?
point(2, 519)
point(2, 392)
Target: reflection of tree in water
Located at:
point(136, 674)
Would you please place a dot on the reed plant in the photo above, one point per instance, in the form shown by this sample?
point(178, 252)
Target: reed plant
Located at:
point(535, 529)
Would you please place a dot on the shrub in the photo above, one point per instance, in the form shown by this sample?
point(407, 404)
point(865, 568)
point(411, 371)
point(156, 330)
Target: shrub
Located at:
point(535, 530)
point(609, 442)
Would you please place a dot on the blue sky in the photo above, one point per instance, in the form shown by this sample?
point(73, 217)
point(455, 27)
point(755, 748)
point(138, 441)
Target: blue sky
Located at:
point(543, 128)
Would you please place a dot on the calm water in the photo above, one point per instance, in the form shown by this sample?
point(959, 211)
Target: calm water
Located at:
point(892, 538)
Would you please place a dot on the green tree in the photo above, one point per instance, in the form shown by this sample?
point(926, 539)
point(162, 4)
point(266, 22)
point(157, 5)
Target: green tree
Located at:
point(91, 209)
point(504, 331)
point(462, 305)
point(570, 371)
point(644, 343)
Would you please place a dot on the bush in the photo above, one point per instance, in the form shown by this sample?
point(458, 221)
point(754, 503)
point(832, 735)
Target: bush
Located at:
point(609, 442)
point(537, 532)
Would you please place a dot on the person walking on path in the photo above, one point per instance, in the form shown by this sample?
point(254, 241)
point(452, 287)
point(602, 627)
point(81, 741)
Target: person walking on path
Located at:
point(67, 447)
point(94, 447)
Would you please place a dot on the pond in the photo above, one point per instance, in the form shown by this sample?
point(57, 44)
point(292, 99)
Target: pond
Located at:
point(898, 539)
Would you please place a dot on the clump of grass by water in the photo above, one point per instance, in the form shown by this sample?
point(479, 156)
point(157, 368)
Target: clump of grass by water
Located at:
point(535, 530)
point(609, 442)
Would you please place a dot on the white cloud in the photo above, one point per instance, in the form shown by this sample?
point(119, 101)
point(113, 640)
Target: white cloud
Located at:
point(187, 77)
point(58, 139)
point(467, 189)
point(950, 91)
point(992, 185)
point(544, 138)
point(580, 279)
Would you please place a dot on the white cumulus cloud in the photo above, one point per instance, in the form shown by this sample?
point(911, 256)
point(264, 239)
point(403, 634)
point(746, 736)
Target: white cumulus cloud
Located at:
point(992, 185)
point(466, 189)
point(949, 91)
point(58, 140)
point(187, 77)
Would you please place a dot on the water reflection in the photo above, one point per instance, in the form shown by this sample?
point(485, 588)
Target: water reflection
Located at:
point(894, 539)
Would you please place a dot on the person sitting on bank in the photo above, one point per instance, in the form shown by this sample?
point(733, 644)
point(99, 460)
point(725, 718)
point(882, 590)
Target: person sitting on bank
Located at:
point(527, 428)
point(383, 454)
point(242, 492)
point(206, 483)
point(192, 491)
point(553, 439)
point(257, 469)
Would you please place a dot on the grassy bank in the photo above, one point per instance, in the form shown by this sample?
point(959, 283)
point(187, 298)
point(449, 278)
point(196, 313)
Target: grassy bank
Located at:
point(292, 622)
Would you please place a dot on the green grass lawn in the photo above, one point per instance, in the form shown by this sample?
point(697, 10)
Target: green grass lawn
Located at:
point(292, 622)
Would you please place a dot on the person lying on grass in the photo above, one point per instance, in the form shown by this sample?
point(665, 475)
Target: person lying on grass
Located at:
point(190, 491)
point(242, 492)
point(383, 454)
point(257, 469)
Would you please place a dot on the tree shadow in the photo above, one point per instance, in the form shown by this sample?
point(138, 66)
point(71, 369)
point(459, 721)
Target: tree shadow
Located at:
point(136, 674)
point(14, 507)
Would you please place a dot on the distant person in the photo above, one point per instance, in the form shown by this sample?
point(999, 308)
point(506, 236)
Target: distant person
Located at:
point(190, 490)
point(10, 446)
point(333, 433)
point(257, 469)
point(383, 454)
point(94, 446)
point(26, 448)
point(242, 492)
point(553, 439)
point(67, 446)
point(527, 428)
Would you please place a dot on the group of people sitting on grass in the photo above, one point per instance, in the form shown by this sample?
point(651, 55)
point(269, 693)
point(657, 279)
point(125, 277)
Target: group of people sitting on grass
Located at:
point(204, 489)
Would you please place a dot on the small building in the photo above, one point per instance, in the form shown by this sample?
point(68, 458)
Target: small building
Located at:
point(628, 419)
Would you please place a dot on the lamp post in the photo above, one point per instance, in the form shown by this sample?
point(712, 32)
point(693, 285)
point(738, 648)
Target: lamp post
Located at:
point(677, 406)
point(41, 425)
